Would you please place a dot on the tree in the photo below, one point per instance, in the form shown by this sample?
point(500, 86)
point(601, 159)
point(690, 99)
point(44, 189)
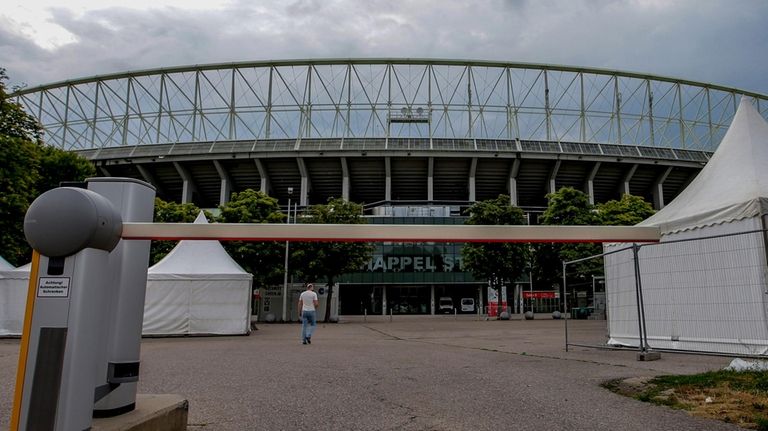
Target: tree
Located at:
point(567, 206)
point(19, 173)
point(496, 262)
point(264, 260)
point(57, 165)
point(329, 260)
point(28, 169)
point(170, 212)
point(628, 211)
point(14, 121)
point(18, 176)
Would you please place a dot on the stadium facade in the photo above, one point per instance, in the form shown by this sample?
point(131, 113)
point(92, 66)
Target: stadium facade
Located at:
point(415, 141)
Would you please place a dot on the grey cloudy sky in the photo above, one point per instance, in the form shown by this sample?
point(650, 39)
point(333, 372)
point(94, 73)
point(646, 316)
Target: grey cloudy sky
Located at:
point(722, 42)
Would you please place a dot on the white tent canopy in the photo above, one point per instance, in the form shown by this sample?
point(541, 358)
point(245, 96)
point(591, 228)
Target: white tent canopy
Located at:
point(708, 293)
point(732, 186)
point(4, 265)
point(14, 284)
point(197, 289)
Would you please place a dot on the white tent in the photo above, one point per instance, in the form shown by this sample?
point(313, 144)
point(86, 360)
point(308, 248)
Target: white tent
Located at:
point(4, 265)
point(14, 284)
point(197, 289)
point(706, 294)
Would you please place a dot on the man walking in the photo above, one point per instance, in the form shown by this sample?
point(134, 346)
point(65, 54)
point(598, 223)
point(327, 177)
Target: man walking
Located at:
point(308, 304)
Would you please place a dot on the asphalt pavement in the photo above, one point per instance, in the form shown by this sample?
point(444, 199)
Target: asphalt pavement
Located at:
point(414, 373)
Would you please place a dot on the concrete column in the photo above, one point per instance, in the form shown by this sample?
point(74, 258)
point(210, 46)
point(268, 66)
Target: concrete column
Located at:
point(658, 189)
point(105, 172)
point(226, 183)
point(689, 180)
point(148, 177)
point(344, 179)
point(552, 184)
point(624, 186)
point(388, 179)
point(589, 185)
point(513, 171)
point(264, 177)
point(384, 300)
point(431, 179)
point(472, 171)
point(304, 193)
point(432, 299)
point(188, 186)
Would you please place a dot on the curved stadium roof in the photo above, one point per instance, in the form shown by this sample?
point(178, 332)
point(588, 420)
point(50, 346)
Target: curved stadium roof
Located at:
point(328, 126)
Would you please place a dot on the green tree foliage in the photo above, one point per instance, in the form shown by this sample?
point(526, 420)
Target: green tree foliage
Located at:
point(497, 262)
point(14, 121)
point(58, 165)
point(567, 206)
point(18, 176)
point(170, 212)
point(262, 259)
point(329, 260)
point(628, 211)
point(27, 169)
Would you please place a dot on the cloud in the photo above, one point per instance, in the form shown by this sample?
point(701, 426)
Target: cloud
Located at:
point(699, 40)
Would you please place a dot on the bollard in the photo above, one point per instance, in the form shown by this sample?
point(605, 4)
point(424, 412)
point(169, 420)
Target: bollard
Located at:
point(390, 315)
point(455, 313)
point(365, 315)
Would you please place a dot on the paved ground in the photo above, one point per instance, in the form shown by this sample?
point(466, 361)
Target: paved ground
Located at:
point(426, 373)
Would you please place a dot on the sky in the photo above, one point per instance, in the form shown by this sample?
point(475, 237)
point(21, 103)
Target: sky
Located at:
point(721, 42)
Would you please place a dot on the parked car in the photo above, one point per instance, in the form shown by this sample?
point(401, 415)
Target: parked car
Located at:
point(467, 305)
point(445, 304)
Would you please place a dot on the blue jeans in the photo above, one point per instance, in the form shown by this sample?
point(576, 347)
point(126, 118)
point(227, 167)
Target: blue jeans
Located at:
point(308, 324)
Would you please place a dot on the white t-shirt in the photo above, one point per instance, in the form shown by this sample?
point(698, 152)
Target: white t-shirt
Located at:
point(307, 300)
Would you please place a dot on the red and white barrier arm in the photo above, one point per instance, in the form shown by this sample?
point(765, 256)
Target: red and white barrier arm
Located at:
point(381, 232)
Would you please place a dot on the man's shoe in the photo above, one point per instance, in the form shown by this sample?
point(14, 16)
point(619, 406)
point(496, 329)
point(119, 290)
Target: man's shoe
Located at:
point(304, 341)
point(309, 340)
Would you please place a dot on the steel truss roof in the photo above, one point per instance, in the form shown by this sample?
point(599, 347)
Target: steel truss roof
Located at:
point(387, 99)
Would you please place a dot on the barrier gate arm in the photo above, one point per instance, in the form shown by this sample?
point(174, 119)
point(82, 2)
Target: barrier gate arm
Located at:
point(379, 232)
point(331, 232)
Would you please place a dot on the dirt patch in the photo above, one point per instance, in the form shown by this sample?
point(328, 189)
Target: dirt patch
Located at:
point(721, 400)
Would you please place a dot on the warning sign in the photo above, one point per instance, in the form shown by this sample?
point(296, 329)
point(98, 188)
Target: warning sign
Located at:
point(53, 287)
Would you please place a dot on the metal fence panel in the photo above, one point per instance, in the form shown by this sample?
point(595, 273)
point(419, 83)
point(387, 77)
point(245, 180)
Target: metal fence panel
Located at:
point(702, 295)
point(706, 295)
point(585, 303)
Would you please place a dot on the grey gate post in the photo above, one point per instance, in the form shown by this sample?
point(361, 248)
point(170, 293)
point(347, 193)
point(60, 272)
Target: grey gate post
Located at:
point(72, 231)
point(118, 371)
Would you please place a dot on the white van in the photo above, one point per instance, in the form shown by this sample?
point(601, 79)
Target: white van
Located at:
point(467, 305)
point(445, 304)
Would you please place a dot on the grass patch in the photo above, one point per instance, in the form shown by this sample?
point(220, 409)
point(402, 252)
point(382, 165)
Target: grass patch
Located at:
point(740, 398)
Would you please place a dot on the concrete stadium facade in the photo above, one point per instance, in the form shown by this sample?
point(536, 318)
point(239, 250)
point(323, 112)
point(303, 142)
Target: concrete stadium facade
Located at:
point(404, 137)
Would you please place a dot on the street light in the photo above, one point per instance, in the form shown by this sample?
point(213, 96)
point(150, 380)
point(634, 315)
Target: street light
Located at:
point(285, 266)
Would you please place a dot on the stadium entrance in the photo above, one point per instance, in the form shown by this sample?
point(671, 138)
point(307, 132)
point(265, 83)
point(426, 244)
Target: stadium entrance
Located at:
point(356, 299)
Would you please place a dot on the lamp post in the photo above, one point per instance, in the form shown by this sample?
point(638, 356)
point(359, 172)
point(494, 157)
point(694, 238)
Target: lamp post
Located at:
point(530, 281)
point(285, 266)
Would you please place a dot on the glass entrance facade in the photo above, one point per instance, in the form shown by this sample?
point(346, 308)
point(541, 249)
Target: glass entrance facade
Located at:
point(427, 278)
point(410, 278)
point(359, 299)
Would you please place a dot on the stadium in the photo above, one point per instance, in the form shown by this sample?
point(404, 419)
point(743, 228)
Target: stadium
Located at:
point(413, 140)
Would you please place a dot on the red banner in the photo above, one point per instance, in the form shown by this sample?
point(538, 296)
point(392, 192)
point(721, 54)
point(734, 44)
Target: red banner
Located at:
point(541, 294)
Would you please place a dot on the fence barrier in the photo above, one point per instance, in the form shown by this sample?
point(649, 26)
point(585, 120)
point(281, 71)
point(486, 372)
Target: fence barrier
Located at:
point(706, 295)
